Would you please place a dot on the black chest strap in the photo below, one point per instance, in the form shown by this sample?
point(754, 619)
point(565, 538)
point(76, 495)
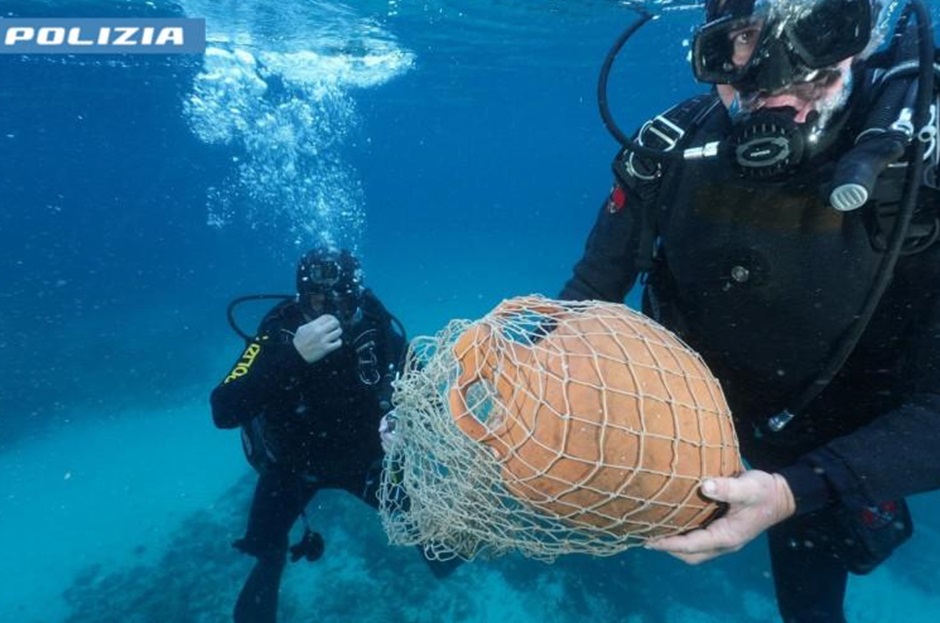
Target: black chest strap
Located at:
point(648, 178)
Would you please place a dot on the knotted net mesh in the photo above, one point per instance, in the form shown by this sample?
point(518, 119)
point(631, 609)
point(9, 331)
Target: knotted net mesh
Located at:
point(552, 427)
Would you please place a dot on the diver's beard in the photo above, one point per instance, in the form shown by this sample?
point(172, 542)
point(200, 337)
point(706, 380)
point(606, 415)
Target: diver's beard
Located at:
point(812, 101)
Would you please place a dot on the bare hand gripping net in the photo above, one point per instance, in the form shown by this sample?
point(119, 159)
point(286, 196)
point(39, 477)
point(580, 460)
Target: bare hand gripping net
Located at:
point(553, 427)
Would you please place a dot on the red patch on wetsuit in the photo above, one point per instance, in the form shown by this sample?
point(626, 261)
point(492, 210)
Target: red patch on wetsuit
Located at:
point(877, 517)
point(617, 199)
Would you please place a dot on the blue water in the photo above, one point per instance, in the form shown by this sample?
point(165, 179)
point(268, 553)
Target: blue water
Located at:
point(454, 144)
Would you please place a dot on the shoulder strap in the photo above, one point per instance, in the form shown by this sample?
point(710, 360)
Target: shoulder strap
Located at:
point(276, 323)
point(396, 338)
point(665, 132)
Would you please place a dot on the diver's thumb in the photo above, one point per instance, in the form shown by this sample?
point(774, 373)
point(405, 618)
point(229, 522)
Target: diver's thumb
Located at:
point(722, 489)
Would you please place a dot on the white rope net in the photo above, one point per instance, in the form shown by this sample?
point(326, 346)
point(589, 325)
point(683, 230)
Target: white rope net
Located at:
point(552, 427)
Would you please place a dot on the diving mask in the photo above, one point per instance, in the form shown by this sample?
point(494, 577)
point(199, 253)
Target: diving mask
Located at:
point(766, 45)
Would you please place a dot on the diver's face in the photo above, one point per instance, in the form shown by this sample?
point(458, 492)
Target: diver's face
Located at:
point(744, 40)
point(789, 60)
point(315, 304)
point(820, 91)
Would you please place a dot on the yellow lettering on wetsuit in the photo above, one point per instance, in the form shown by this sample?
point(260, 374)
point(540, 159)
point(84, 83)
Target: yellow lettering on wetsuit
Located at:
point(244, 364)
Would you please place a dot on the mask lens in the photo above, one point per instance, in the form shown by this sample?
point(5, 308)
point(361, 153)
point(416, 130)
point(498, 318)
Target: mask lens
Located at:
point(722, 51)
point(325, 274)
point(319, 278)
point(832, 31)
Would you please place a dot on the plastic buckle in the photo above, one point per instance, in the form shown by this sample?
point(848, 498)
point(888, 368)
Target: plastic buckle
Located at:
point(928, 134)
point(778, 422)
point(664, 135)
point(904, 124)
point(665, 130)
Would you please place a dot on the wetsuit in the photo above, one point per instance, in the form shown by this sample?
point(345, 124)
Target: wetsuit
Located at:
point(761, 280)
point(305, 427)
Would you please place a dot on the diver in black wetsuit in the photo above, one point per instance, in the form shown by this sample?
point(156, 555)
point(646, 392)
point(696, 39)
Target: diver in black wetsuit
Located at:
point(774, 254)
point(309, 392)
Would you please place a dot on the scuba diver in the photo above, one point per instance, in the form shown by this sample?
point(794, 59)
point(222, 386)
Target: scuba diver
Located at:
point(309, 392)
point(784, 225)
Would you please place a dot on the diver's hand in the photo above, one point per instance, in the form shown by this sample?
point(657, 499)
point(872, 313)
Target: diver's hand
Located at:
point(318, 338)
point(756, 501)
point(387, 430)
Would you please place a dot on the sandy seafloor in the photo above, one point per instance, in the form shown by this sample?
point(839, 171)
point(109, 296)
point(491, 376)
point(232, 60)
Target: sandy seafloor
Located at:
point(131, 520)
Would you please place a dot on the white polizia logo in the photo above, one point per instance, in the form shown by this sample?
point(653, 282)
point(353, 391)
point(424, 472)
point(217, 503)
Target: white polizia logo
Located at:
point(102, 36)
point(120, 35)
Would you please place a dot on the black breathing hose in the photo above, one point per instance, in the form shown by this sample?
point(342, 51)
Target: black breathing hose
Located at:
point(915, 171)
point(230, 310)
point(230, 313)
point(603, 105)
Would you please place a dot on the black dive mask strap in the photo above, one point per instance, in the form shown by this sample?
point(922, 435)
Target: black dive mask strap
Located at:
point(716, 9)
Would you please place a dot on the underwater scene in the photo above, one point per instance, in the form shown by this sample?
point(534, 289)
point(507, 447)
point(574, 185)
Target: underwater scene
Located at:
point(456, 148)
